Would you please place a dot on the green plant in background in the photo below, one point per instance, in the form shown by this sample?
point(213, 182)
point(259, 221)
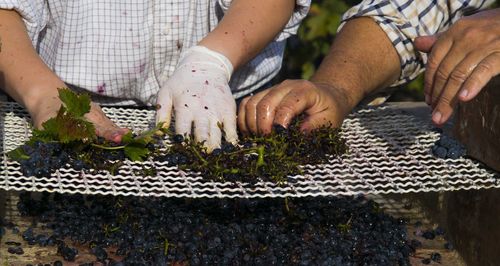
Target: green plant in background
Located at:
point(312, 43)
point(306, 50)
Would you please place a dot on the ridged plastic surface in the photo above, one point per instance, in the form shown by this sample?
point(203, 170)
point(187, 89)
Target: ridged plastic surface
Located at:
point(389, 152)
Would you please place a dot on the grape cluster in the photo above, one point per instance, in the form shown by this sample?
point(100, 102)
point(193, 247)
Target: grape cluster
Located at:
point(271, 158)
point(44, 157)
point(448, 148)
point(158, 231)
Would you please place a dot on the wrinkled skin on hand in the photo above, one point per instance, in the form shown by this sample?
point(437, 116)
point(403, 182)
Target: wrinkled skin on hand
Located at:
point(461, 61)
point(320, 103)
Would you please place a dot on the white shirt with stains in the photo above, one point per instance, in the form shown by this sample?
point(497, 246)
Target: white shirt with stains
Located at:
point(120, 49)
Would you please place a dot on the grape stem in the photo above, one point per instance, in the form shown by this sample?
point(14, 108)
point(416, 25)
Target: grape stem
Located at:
point(107, 147)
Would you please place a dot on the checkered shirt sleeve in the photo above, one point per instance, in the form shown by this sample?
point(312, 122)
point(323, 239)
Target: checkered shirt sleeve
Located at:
point(404, 20)
point(35, 14)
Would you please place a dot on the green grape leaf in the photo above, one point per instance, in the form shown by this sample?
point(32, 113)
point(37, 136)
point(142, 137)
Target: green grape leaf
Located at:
point(136, 151)
point(76, 104)
point(65, 128)
point(18, 154)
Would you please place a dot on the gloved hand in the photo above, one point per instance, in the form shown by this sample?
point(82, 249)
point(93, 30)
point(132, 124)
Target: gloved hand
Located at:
point(199, 93)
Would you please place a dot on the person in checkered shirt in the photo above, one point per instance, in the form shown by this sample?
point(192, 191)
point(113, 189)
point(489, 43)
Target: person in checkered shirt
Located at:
point(190, 58)
point(384, 44)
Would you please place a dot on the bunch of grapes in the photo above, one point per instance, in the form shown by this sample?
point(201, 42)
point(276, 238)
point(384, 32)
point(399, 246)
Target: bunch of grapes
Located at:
point(447, 147)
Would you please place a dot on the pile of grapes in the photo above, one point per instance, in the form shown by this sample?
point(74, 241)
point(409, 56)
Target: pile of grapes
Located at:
point(69, 140)
point(447, 147)
point(159, 231)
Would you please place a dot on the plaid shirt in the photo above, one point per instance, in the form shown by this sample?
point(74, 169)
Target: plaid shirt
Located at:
point(404, 20)
point(119, 49)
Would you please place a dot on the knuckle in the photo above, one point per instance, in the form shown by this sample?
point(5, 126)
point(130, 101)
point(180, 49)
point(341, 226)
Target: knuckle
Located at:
point(458, 75)
point(432, 63)
point(284, 109)
point(442, 74)
point(460, 24)
point(306, 84)
point(264, 105)
point(485, 67)
point(288, 82)
point(470, 33)
point(245, 101)
point(445, 100)
point(252, 103)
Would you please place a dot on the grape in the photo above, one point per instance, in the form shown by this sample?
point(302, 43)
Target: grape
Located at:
point(178, 138)
point(448, 148)
point(441, 152)
point(78, 165)
point(436, 257)
point(15, 250)
point(223, 231)
point(100, 253)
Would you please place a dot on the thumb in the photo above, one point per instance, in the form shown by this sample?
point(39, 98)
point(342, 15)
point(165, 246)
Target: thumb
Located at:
point(425, 43)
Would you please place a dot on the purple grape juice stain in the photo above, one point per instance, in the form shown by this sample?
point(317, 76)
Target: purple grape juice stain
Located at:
point(140, 68)
point(101, 88)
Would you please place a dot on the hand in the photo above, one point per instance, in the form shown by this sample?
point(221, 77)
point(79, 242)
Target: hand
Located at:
point(199, 93)
point(461, 61)
point(321, 103)
point(104, 126)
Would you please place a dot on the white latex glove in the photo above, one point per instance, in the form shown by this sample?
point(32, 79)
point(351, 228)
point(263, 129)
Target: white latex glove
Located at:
point(199, 93)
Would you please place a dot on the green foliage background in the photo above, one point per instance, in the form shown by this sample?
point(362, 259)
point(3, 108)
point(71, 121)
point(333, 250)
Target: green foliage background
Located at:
point(306, 50)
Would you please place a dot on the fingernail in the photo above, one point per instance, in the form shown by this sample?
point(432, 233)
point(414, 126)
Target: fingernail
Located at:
point(464, 93)
point(436, 117)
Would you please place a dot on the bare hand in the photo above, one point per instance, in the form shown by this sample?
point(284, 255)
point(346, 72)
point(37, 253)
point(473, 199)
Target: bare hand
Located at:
point(322, 105)
point(461, 61)
point(104, 126)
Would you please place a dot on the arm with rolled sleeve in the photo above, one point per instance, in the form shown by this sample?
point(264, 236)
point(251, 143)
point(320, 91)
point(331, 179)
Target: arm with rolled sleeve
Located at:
point(404, 20)
point(26, 78)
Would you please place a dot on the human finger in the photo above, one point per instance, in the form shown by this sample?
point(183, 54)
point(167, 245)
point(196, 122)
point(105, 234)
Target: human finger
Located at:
point(164, 104)
point(425, 43)
point(251, 111)
point(480, 76)
point(266, 108)
point(229, 123)
point(242, 125)
point(214, 136)
point(294, 103)
point(443, 73)
point(447, 100)
point(439, 51)
point(104, 127)
point(183, 120)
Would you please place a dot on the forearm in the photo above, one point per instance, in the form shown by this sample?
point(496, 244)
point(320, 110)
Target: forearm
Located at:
point(248, 27)
point(361, 60)
point(25, 77)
